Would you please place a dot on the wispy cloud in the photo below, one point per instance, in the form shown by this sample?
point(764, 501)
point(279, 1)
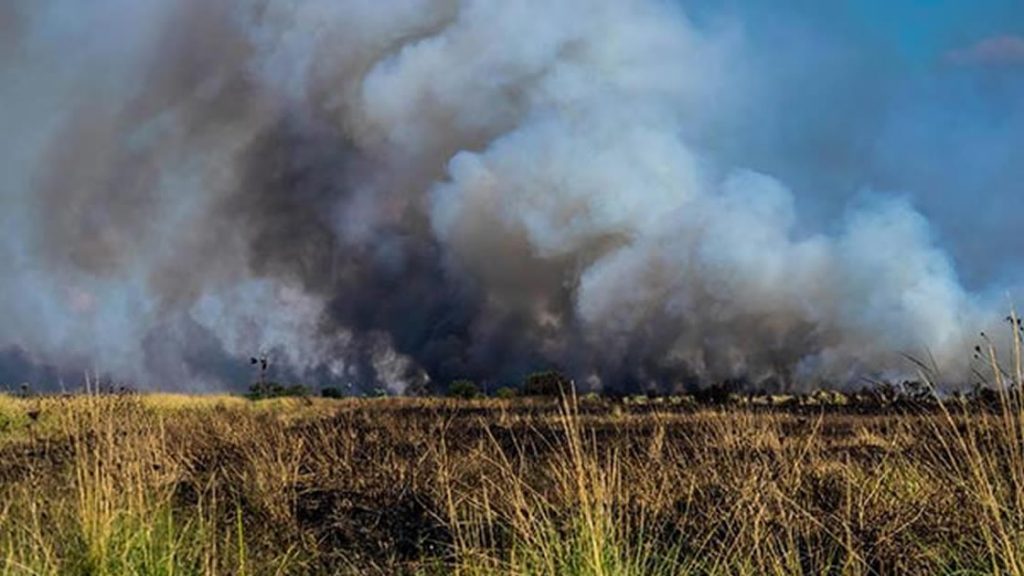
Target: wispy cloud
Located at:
point(991, 51)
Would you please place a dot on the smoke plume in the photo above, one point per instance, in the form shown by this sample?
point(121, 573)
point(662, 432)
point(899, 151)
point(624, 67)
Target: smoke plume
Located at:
point(386, 194)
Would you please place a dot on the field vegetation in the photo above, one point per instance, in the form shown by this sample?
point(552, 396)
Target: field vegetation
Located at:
point(892, 481)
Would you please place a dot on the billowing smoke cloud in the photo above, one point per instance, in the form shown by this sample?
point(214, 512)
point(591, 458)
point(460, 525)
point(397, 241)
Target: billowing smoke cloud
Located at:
point(391, 193)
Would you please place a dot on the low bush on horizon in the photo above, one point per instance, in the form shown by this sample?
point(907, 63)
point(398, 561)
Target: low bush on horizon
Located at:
point(548, 383)
point(465, 389)
point(266, 390)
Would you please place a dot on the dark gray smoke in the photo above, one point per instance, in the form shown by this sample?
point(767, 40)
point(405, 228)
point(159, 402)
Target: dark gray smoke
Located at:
point(391, 193)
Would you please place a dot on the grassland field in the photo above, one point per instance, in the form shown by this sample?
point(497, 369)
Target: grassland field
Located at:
point(166, 484)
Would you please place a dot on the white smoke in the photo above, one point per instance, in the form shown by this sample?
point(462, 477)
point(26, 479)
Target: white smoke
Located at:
point(550, 150)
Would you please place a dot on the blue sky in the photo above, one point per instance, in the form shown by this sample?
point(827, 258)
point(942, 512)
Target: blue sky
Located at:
point(920, 98)
point(915, 30)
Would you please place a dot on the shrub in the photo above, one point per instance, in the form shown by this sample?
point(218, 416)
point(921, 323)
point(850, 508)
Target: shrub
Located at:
point(264, 390)
point(547, 383)
point(331, 392)
point(463, 389)
point(506, 392)
point(716, 394)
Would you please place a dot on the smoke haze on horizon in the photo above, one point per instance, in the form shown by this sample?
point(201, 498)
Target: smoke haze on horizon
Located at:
point(640, 193)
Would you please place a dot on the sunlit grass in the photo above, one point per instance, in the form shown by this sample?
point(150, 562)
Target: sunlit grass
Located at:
point(175, 484)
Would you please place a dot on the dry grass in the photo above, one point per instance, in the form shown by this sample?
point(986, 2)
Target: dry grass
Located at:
point(183, 485)
point(165, 484)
